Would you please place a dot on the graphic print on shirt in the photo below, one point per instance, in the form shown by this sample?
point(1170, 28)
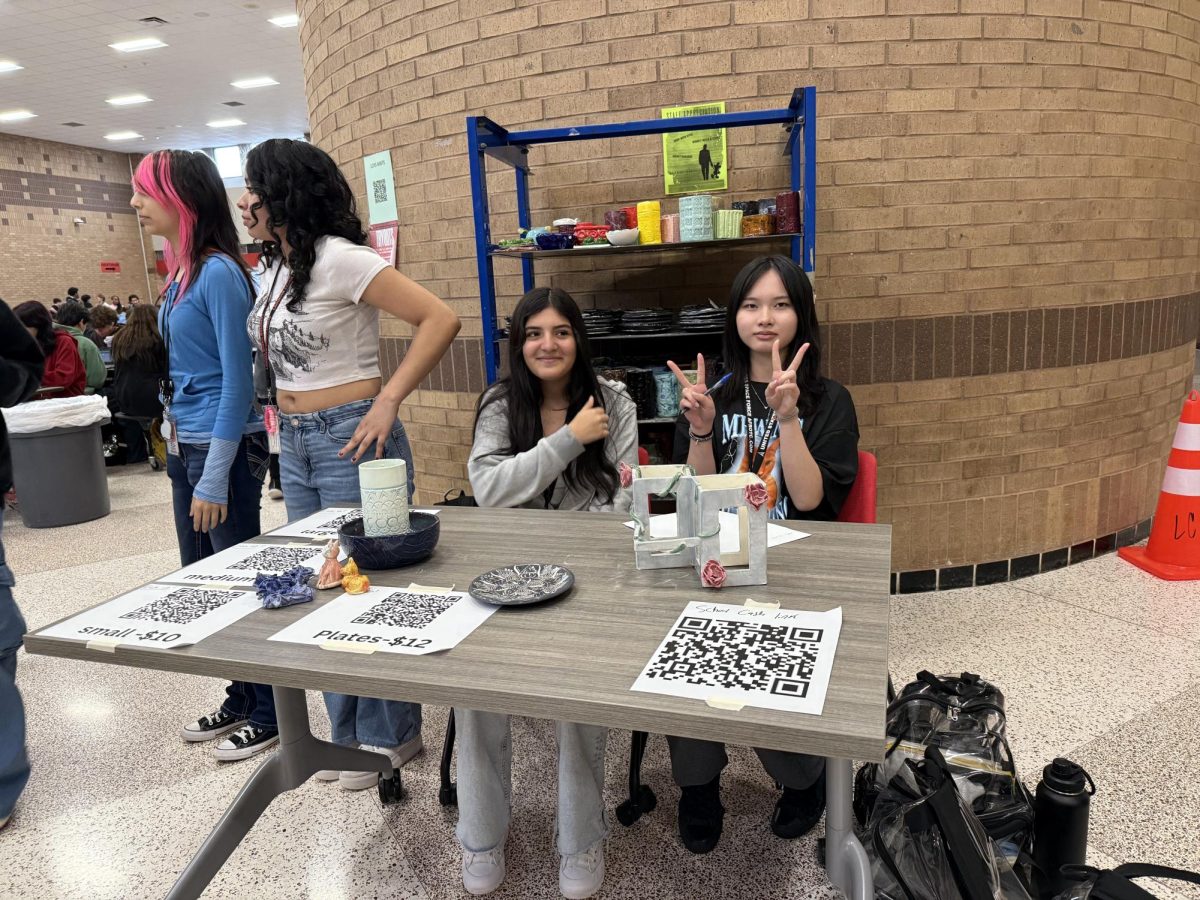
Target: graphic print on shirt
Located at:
point(770, 467)
point(291, 348)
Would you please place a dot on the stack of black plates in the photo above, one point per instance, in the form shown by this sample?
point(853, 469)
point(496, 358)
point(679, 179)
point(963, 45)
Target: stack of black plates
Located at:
point(647, 321)
point(701, 318)
point(600, 322)
point(641, 387)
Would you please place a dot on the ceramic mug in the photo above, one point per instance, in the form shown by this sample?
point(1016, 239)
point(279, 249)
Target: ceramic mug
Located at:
point(383, 484)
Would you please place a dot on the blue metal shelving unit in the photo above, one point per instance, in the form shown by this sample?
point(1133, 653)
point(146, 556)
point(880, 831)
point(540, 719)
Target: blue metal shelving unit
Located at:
point(485, 138)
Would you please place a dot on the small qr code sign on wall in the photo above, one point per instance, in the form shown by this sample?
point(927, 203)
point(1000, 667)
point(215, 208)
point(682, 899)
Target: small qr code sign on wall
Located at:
point(771, 658)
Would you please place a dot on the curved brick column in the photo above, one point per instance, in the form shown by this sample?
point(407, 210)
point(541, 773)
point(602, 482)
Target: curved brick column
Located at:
point(1007, 228)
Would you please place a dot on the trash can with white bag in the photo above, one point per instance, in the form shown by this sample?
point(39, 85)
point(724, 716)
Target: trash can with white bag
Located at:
point(58, 460)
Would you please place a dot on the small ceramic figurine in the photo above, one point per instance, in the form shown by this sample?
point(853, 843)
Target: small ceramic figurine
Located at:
point(352, 581)
point(331, 569)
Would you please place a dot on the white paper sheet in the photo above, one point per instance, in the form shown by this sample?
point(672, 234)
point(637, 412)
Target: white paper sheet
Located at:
point(664, 526)
point(770, 658)
point(158, 615)
point(237, 566)
point(324, 525)
point(392, 620)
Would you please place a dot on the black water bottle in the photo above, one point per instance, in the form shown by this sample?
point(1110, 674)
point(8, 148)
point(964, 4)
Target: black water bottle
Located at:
point(1060, 825)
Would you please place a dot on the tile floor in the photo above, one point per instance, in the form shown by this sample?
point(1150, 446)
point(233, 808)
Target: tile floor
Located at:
point(1100, 662)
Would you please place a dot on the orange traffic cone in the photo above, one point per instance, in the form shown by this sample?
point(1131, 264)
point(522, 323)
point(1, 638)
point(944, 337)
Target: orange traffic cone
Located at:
point(1174, 549)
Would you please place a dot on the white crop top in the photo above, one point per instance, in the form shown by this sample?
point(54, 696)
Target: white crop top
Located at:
point(334, 339)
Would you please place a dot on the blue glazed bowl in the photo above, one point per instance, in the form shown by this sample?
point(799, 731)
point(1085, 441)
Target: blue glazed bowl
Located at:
point(391, 551)
point(555, 241)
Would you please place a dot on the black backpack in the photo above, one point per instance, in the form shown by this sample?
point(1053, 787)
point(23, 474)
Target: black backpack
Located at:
point(963, 716)
point(1117, 884)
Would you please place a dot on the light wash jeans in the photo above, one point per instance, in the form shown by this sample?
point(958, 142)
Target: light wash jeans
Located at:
point(313, 477)
point(14, 764)
point(485, 782)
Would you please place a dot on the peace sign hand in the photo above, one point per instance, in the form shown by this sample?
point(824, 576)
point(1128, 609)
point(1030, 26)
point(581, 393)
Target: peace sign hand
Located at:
point(783, 393)
point(698, 409)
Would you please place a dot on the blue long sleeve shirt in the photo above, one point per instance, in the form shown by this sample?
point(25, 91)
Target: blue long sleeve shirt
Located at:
point(211, 366)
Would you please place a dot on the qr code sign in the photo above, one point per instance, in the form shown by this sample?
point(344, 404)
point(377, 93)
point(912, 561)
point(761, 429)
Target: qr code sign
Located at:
point(379, 190)
point(332, 526)
point(274, 559)
point(183, 606)
point(405, 610)
point(749, 656)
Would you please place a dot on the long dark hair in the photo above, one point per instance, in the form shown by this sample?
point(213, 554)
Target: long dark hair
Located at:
point(188, 183)
point(737, 354)
point(305, 192)
point(523, 391)
point(35, 315)
point(139, 342)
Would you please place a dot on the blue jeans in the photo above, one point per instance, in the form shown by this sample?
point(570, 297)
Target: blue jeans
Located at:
point(243, 700)
point(14, 764)
point(313, 477)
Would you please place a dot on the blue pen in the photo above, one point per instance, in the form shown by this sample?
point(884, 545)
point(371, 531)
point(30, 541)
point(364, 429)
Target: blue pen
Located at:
point(720, 381)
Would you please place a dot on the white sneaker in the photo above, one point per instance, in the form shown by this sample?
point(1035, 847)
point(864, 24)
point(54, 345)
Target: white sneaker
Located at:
point(328, 774)
point(581, 874)
point(483, 872)
point(360, 781)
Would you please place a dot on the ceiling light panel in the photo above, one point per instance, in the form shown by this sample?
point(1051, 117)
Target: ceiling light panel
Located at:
point(137, 45)
point(7, 65)
point(245, 83)
point(122, 136)
point(128, 100)
point(17, 115)
point(289, 21)
point(225, 123)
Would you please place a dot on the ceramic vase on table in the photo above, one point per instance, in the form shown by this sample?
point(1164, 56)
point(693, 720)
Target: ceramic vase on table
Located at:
point(384, 487)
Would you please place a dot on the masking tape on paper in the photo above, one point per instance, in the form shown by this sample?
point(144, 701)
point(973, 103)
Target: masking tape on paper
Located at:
point(348, 647)
point(724, 703)
point(108, 645)
point(751, 603)
point(425, 589)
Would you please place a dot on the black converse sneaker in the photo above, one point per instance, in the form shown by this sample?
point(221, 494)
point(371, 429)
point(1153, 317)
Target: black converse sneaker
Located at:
point(245, 742)
point(211, 726)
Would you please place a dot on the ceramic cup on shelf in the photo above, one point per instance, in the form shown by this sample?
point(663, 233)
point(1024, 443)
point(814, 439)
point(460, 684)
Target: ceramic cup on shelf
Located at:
point(670, 228)
point(666, 392)
point(649, 220)
point(727, 223)
point(787, 212)
point(696, 218)
point(384, 487)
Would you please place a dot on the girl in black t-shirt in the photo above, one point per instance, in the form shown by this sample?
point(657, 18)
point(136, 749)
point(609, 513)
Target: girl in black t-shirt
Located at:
point(798, 432)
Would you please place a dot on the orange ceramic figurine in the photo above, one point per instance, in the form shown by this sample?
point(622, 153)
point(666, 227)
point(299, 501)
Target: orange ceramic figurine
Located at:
point(331, 570)
point(353, 582)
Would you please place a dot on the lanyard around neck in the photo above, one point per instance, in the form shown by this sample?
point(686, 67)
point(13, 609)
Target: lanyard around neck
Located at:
point(756, 450)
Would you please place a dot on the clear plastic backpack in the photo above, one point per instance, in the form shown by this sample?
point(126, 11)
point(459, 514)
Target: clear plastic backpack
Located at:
point(1118, 884)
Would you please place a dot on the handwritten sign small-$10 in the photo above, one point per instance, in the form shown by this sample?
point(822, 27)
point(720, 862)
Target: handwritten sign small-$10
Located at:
point(160, 616)
point(746, 656)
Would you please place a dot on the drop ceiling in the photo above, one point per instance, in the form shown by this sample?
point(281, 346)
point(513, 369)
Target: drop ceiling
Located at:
point(70, 72)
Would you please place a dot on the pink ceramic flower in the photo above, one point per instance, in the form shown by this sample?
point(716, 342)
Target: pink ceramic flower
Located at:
point(713, 574)
point(626, 475)
point(756, 495)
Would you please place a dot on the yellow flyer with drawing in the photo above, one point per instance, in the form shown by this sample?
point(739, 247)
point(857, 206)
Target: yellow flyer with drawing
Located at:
point(695, 160)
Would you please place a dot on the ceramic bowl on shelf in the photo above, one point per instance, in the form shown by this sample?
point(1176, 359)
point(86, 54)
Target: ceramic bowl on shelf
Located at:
point(394, 550)
point(623, 237)
point(555, 241)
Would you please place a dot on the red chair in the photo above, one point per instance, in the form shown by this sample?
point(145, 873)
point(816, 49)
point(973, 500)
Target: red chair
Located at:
point(860, 502)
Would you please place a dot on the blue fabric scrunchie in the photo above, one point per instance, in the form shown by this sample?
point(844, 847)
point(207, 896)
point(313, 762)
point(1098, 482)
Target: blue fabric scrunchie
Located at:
point(285, 589)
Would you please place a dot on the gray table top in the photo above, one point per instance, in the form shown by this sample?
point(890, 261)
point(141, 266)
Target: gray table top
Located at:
point(575, 659)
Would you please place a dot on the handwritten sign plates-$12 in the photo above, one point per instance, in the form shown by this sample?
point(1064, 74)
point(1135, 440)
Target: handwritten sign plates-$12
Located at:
point(391, 620)
point(158, 615)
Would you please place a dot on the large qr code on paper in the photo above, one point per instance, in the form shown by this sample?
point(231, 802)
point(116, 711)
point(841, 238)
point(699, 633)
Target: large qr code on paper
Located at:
point(275, 559)
point(748, 656)
point(331, 527)
point(379, 190)
point(405, 610)
point(183, 606)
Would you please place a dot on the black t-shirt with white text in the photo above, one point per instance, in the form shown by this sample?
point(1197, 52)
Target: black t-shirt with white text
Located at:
point(831, 433)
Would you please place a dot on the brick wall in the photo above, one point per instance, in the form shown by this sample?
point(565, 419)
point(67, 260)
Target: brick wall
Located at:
point(1008, 199)
point(44, 187)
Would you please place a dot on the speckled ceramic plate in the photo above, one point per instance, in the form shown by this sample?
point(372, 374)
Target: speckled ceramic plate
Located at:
point(522, 585)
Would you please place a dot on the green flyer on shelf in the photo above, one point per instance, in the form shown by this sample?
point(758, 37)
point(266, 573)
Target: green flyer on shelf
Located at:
point(695, 160)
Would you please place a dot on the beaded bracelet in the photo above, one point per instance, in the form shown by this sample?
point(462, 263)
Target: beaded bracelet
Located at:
point(699, 438)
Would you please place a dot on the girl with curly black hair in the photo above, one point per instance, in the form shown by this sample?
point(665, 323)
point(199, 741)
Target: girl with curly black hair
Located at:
point(316, 325)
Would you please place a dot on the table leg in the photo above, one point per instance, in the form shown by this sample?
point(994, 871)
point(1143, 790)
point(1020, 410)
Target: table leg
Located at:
point(300, 755)
point(845, 859)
